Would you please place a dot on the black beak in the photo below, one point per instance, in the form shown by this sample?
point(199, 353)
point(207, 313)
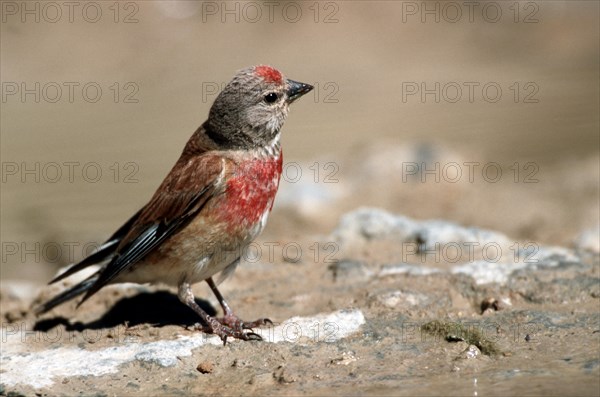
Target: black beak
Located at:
point(296, 89)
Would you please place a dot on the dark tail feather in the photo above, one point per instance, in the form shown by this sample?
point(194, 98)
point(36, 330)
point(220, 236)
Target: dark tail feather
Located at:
point(69, 294)
point(103, 253)
point(106, 250)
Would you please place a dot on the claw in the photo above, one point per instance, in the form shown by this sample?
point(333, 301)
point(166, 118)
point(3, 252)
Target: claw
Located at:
point(229, 325)
point(224, 331)
point(253, 336)
point(232, 326)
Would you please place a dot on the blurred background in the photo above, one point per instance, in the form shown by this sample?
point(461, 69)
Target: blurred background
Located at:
point(484, 114)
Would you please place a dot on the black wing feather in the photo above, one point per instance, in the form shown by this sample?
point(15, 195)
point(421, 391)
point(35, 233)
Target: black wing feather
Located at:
point(106, 250)
point(69, 294)
point(148, 239)
point(181, 196)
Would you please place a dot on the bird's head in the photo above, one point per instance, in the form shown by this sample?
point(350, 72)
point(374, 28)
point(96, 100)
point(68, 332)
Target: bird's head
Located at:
point(252, 108)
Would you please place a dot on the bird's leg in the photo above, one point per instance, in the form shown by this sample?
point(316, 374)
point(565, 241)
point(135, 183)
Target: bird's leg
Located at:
point(230, 319)
point(213, 325)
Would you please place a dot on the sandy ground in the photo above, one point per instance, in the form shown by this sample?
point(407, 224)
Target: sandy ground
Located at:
point(381, 305)
point(371, 308)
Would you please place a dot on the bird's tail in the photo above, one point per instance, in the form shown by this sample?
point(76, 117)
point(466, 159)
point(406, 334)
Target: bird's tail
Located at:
point(69, 294)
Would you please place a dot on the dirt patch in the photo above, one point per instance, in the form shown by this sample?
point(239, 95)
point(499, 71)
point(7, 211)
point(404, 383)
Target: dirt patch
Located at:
point(363, 328)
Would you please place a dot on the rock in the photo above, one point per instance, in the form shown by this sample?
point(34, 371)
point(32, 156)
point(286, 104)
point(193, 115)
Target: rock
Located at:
point(402, 299)
point(347, 269)
point(485, 272)
point(471, 352)
point(205, 367)
point(493, 304)
point(499, 271)
point(403, 268)
point(589, 240)
point(44, 368)
point(345, 359)
point(486, 256)
point(264, 379)
point(282, 376)
point(365, 224)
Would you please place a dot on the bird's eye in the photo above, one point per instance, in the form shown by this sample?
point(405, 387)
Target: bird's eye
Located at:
point(270, 97)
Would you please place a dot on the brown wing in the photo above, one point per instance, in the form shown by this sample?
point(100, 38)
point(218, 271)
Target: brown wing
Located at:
point(189, 186)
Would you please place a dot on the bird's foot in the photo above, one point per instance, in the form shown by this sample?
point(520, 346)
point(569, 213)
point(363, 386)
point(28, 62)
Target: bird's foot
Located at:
point(232, 321)
point(231, 326)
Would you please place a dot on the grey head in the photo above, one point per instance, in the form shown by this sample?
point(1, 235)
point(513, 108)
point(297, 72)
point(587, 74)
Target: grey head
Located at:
point(252, 108)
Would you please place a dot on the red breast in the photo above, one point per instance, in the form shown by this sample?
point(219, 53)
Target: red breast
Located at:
point(250, 190)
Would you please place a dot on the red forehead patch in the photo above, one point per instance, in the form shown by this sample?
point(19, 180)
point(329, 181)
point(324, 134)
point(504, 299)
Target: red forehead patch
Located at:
point(269, 74)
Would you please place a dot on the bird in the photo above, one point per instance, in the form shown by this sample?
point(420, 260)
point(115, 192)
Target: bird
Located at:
point(211, 205)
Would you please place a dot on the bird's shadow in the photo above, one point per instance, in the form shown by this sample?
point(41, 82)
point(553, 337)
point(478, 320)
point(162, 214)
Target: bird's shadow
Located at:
point(155, 308)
